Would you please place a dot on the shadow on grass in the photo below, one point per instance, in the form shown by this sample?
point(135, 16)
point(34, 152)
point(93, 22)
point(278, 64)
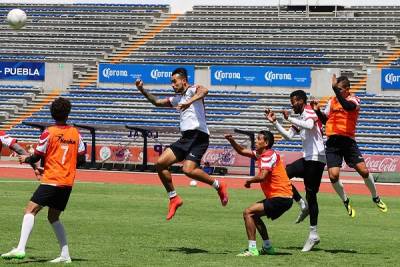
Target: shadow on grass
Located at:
point(333, 251)
point(192, 251)
point(277, 253)
point(33, 260)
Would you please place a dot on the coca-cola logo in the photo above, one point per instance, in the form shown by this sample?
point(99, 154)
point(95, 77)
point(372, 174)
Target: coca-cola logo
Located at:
point(382, 164)
point(222, 158)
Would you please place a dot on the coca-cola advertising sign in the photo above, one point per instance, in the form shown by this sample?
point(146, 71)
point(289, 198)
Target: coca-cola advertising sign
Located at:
point(380, 163)
point(219, 157)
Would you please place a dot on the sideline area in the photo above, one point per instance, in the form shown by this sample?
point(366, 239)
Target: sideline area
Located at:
point(353, 183)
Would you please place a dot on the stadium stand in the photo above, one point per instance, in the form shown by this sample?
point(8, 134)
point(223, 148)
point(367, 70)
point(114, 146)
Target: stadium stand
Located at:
point(87, 34)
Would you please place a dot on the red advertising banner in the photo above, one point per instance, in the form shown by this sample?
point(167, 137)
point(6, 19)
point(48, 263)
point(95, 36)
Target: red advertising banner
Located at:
point(217, 157)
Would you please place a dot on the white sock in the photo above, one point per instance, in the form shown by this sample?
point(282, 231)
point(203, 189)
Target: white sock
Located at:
point(26, 228)
point(252, 244)
point(338, 186)
point(313, 231)
point(215, 184)
point(61, 237)
point(302, 204)
point(369, 182)
point(267, 243)
point(172, 194)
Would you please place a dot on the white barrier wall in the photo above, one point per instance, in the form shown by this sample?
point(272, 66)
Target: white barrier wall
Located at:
point(58, 76)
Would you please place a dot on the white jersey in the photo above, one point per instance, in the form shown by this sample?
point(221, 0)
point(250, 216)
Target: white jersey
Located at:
point(194, 117)
point(6, 140)
point(309, 128)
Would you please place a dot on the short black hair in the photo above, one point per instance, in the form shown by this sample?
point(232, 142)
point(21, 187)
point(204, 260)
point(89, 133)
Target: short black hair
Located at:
point(345, 80)
point(268, 137)
point(60, 109)
point(181, 72)
point(299, 94)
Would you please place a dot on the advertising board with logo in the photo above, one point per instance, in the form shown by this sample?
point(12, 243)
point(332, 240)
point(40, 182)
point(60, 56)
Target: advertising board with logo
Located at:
point(261, 76)
point(390, 79)
point(128, 73)
point(22, 71)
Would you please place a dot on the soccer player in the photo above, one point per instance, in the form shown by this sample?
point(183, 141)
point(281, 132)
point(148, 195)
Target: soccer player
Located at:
point(190, 148)
point(62, 148)
point(276, 187)
point(340, 116)
point(311, 166)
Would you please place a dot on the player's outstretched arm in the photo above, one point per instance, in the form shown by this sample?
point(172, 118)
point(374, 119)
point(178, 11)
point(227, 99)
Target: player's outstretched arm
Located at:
point(152, 99)
point(257, 179)
point(17, 148)
point(201, 92)
point(238, 148)
point(20, 151)
point(271, 117)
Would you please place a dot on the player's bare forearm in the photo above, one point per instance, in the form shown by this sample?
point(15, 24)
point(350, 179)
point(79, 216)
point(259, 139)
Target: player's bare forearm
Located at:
point(240, 150)
point(17, 148)
point(201, 92)
point(31, 160)
point(152, 99)
point(256, 179)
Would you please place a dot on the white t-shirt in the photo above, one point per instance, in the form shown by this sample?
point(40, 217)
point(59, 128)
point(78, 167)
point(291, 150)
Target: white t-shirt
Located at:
point(6, 140)
point(309, 128)
point(194, 117)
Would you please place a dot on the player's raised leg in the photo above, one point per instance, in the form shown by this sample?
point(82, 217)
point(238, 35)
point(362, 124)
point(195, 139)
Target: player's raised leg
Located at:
point(362, 169)
point(166, 159)
point(192, 170)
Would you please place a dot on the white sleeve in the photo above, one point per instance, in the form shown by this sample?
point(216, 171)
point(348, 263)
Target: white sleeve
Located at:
point(327, 108)
point(81, 147)
point(305, 124)
point(286, 134)
point(6, 140)
point(41, 147)
point(268, 162)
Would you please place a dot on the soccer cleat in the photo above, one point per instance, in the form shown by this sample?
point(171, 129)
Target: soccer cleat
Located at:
point(14, 254)
point(223, 193)
point(61, 260)
point(249, 253)
point(303, 214)
point(380, 204)
point(310, 243)
point(267, 251)
point(174, 204)
point(350, 211)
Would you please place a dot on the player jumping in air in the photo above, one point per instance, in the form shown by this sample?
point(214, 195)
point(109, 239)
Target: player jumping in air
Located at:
point(190, 148)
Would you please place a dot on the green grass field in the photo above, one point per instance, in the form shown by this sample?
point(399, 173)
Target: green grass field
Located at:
point(124, 225)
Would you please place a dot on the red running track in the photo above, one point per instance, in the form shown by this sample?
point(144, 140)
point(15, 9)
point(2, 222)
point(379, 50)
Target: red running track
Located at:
point(181, 180)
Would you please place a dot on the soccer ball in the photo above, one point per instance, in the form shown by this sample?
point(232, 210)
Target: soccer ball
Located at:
point(16, 18)
point(193, 183)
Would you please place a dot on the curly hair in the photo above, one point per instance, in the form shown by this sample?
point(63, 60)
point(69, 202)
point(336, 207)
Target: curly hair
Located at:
point(60, 109)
